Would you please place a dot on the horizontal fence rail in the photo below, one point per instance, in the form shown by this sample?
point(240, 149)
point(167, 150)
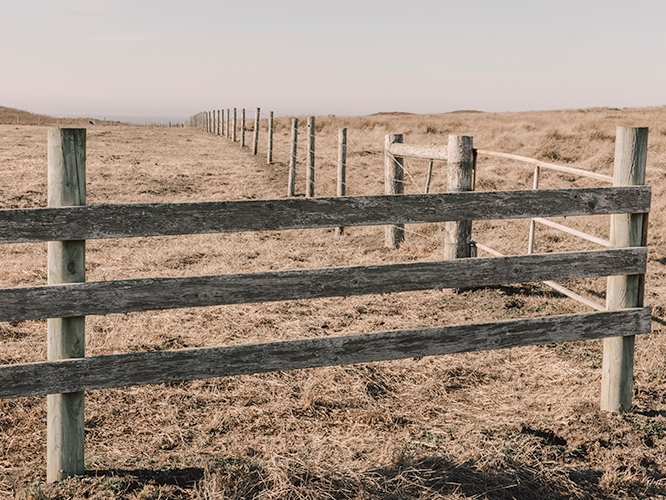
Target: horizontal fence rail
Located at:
point(106, 297)
point(546, 165)
point(562, 289)
point(83, 374)
point(573, 232)
point(429, 152)
point(122, 221)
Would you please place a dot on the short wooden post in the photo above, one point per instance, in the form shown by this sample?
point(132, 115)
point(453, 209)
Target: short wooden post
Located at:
point(243, 128)
point(291, 185)
point(218, 123)
point(426, 189)
point(310, 170)
point(66, 336)
point(624, 291)
point(394, 173)
point(222, 127)
point(460, 165)
point(269, 153)
point(255, 134)
point(342, 170)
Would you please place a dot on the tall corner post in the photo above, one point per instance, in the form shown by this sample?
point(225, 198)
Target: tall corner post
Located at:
point(394, 174)
point(458, 234)
point(624, 291)
point(66, 336)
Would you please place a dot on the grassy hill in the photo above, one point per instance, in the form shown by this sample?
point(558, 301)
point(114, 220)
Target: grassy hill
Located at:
point(11, 116)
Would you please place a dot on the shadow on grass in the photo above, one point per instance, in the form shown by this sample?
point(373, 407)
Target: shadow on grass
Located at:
point(407, 477)
point(124, 482)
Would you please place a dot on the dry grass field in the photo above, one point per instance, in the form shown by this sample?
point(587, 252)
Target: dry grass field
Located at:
point(515, 423)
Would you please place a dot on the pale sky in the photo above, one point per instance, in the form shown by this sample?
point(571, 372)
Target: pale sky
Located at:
point(175, 57)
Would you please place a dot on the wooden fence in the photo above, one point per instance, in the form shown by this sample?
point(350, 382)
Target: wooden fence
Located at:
point(67, 222)
point(214, 122)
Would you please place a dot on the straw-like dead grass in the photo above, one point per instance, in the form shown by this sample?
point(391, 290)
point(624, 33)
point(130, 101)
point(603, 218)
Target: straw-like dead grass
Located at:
point(518, 423)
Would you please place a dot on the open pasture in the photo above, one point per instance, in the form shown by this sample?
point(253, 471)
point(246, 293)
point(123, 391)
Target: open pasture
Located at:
point(499, 424)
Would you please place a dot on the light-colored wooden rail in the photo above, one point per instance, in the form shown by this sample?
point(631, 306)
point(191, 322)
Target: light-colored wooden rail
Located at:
point(555, 286)
point(546, 165)
point(102, 372)
point(160, 219)
point(429, 151)
point(106, 297)
point(573, 232)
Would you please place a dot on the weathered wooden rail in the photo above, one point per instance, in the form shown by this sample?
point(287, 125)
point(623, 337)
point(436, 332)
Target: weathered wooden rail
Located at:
point(68, 298)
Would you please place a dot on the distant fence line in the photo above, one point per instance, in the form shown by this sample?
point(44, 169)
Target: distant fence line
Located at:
point(68, 222)
point(219, 122)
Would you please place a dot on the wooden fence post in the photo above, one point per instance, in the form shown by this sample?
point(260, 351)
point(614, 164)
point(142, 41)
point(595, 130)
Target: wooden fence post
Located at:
point(426, 188)
point(310, 171)
point(460, 165)
point(66, 336)
point(394, 173)
point(222, 118)
point(243, 128)
point(234, 127)
point(342, 170)
point(627, 230)
point(255, 135)
point(269, 154)
point(291, 186)
point(228, 123)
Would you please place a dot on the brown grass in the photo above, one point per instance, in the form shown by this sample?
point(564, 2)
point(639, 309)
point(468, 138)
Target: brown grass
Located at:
point(517, 423)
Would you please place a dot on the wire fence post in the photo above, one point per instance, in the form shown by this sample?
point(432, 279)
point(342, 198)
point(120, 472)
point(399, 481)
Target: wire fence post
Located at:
point(234, 127)
point(426, 189)
point(66, 336)
point(310, 170)
point(459, 178)
point(255, 135)
point(228, 123)
point(342, 170)
point(243, 128)
point(394, 175)
point(627, 230)
point(291, 185)
point(269, 153)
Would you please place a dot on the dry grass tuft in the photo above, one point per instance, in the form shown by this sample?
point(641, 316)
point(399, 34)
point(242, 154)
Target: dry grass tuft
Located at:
point(518, 423)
